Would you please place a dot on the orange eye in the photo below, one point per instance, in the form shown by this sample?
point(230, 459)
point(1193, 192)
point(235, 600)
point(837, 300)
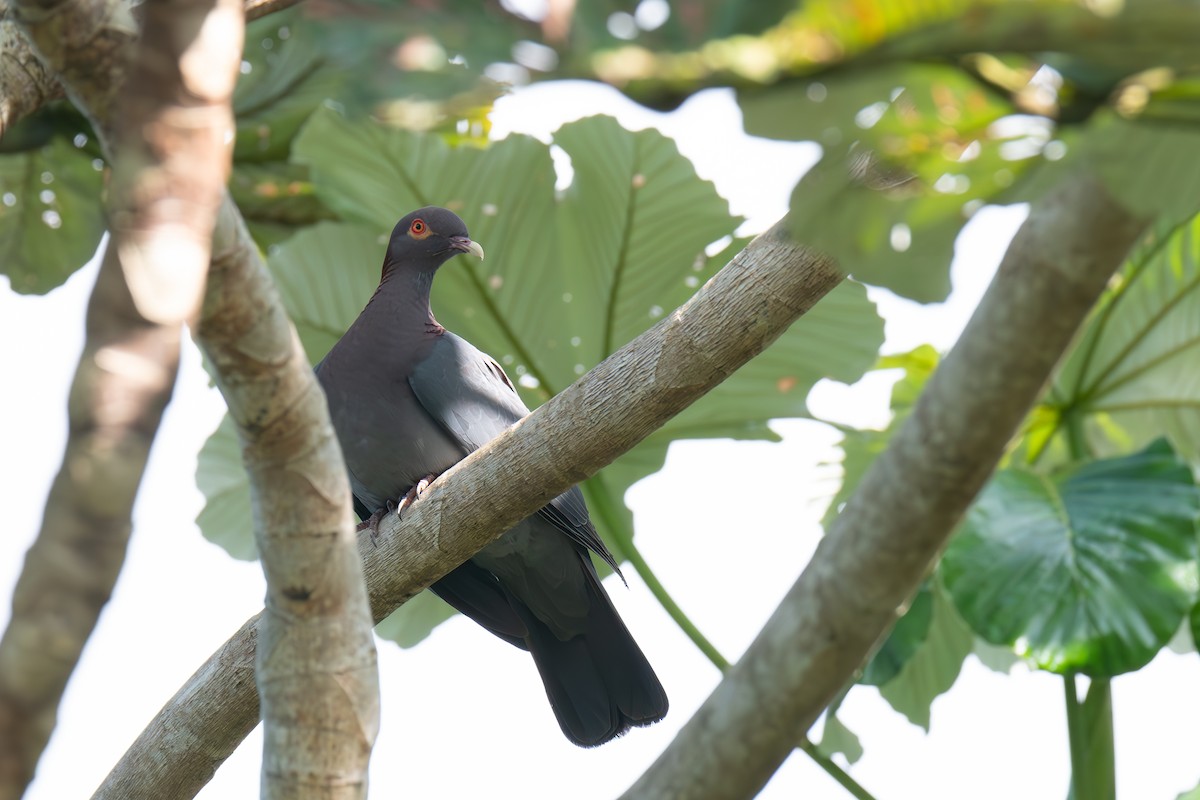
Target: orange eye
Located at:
point(418, 228)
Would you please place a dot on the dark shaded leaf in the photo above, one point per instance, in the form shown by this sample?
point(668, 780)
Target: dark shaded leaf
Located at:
point(284, 79)
point(1089, 571)
point(51, 217)
point(905, 639)
point(934, 665)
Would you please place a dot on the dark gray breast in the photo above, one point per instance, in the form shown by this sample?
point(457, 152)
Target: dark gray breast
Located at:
point(388, 439)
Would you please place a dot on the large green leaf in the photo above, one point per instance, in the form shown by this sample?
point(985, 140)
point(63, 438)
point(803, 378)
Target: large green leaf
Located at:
point(276, 192)
point(225, 519)
point(905, 638)
point(569, 276)
point(51, 219)
point(1090, 571)
point(1160, 122)
point(284, 78)
point(1133, 372)
point(1193, 629)
point(934, 664)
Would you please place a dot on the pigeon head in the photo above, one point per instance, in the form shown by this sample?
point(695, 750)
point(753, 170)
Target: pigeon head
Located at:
point(426, 238)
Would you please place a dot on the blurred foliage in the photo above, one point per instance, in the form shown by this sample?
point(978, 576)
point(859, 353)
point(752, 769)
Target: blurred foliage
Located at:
point(926, 111)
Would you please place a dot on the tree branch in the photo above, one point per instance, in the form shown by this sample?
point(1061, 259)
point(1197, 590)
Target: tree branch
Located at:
point(167, 183)
point(25, 83)
point(318, 648)
point(1142, 35)
point(732, 318)
point(84, 46)
point(261, 8)
point(882, 545)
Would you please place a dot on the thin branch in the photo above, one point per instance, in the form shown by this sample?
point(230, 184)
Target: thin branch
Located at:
point(166, 186)
point(882, 545)
point(632, 393)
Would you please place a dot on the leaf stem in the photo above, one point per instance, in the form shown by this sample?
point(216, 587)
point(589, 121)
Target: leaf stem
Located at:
point(837, 773)
point(624, 540)
point(1090, 728)
point(1079, 789)
point(1101, 755)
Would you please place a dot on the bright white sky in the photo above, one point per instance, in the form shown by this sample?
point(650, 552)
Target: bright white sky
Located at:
point(464, 715)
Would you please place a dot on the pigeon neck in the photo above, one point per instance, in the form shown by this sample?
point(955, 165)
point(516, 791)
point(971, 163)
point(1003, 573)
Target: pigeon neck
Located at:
point(403, 296)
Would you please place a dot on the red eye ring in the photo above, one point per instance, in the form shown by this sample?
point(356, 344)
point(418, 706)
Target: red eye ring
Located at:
point(417, 228)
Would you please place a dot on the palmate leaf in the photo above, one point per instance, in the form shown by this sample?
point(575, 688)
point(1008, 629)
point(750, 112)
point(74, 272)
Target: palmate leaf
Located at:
point(1133, 374)
point(1091, 571)
point(1161, 124)
point(51, 217)
point(567, 279)
point(284, 78)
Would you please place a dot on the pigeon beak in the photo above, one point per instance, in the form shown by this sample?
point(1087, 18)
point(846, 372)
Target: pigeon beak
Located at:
point(465, 245)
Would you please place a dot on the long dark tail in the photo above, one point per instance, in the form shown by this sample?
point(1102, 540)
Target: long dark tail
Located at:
point(599, 682)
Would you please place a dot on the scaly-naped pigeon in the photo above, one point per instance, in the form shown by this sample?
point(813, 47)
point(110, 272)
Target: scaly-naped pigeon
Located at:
point(409, 399)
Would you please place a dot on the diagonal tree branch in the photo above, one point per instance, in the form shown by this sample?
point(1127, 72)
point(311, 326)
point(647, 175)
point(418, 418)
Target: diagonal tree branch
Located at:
point(882, 545)
point(735, 316)
point(167, 184)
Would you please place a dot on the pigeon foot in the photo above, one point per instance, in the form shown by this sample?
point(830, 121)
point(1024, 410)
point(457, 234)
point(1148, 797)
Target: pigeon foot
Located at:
point(413, 495)
point(371, 524)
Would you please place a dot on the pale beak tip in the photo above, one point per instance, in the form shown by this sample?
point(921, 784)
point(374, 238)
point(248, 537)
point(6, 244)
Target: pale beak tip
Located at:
point(475, 249)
